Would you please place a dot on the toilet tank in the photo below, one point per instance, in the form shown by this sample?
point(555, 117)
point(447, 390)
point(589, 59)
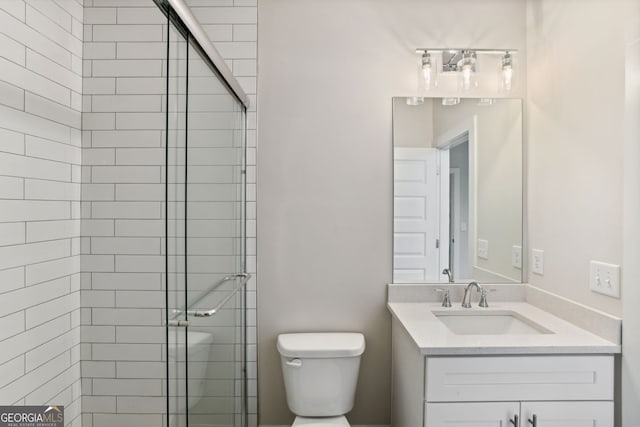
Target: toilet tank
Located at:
point(198, 354)
point(320, 371)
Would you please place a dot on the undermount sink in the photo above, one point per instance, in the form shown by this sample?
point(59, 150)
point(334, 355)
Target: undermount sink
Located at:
point(488, 323)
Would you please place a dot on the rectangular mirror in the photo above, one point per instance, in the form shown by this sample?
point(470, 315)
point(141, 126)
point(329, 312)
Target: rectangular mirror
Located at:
point(457, 190)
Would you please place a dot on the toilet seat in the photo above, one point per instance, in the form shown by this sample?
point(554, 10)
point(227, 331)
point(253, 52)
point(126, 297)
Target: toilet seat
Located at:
point(321, 422)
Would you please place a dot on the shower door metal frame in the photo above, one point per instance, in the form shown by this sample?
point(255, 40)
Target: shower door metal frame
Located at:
point(180, 15)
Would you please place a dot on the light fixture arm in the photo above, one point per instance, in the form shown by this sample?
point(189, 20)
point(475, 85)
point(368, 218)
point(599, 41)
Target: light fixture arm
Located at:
point(452, 63)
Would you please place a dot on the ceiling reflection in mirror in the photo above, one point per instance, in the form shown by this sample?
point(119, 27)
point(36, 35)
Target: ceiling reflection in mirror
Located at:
point(457, 190)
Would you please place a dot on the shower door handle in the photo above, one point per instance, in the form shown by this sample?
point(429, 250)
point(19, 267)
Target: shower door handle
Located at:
point(211, 311)
point(178, 323)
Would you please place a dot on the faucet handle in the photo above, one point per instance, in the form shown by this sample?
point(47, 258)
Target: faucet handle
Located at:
point(483, 297)
point(446, 301)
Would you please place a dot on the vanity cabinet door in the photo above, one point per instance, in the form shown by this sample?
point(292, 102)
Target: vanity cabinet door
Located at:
point(462, 414)
point(567, 414)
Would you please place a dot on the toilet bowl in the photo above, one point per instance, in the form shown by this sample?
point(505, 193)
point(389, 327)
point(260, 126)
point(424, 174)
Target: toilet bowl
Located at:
point(320, 374)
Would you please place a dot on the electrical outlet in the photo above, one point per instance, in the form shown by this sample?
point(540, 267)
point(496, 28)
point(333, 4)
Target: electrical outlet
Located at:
point(605, 278)
point(537, 266)
point(516, 256)
point(483, 249)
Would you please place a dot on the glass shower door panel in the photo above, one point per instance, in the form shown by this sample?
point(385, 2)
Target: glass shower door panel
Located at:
point(215, 247)
point(175, 175)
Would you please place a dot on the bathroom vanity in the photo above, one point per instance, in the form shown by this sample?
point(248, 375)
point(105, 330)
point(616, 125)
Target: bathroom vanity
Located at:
point(511, 364)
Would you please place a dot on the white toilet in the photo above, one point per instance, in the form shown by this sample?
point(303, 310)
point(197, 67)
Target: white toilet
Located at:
point(320, 375)
point(198, 354)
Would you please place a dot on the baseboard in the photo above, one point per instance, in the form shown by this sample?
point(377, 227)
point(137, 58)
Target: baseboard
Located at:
point(355, 425)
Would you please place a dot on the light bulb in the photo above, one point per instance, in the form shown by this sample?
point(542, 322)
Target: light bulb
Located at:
point(507, 71)
point(427, 70)
point(466, 77)
point(507, 77)
point(467, 69)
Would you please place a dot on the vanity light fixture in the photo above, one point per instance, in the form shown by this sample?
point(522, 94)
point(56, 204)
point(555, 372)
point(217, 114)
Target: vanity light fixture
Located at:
point(467, 67)
point(485, 102)
point(463, 63)
point(448, 102)
point(415, 100)
point(507, 71)
point(428, 70)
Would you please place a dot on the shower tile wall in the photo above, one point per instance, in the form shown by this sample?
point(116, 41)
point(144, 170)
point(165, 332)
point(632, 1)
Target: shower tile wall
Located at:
point(122, 195)
point(40, 156)
point(122, 225)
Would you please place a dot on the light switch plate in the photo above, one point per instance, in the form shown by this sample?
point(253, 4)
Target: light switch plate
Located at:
point(537, 266)
point(483, 249)
point(516, 256)
point(605, 278)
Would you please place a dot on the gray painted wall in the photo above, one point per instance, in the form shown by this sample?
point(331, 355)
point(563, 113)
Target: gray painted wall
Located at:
point(575, 134)
point(631, 248)
point(327, 72)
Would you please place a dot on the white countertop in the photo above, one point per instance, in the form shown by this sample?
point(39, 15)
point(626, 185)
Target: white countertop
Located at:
point(434, 338)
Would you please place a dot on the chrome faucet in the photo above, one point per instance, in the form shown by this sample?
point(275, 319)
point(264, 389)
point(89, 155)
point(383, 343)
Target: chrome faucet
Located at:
point(449, 274)
point(466, 300)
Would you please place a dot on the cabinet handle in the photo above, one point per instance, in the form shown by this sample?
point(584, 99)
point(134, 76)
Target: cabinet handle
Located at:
point(514, 421)
point(534, 420)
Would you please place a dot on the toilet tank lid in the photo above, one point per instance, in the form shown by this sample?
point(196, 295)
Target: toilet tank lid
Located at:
point(321, 344)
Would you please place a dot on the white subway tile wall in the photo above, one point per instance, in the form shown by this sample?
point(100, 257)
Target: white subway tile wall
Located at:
point(40, 192)
point(122, 232)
